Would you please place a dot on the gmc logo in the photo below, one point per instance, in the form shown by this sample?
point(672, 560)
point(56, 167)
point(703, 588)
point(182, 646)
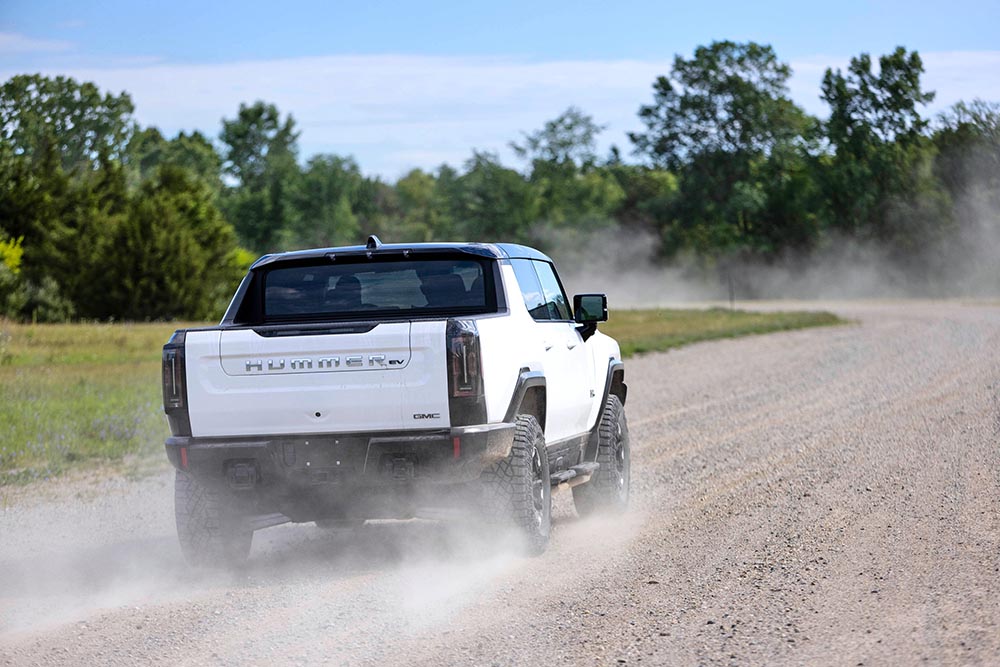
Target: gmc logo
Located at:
point(427, 415)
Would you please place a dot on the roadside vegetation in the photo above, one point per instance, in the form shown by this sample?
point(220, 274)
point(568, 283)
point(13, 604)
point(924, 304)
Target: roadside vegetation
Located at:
point(639, 331)
point(78, 395)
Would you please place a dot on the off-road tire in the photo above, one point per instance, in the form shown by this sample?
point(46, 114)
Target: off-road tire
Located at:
point(211, 532)
point(517, 491)
point(609, 488)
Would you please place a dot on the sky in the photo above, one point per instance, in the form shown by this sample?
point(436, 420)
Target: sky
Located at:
point(402, 85)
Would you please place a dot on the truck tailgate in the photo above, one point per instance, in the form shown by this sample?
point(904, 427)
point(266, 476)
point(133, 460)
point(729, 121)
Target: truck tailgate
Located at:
point(390, 377)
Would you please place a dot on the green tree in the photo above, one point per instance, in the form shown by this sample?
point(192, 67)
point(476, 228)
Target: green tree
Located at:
point(259, 153)
point(148, 150)
point(571, 138)
point(83, 125)
point(495, 202)
point(425, 211)
point(648, 194)
point(715, 123)
point(573, 191)
point(173, 256)
point(323, 202)
point(65, 224)
point(879, 184)
point(967, 139)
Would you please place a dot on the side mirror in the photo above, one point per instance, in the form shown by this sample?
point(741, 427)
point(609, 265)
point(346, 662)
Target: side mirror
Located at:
point(590, 308)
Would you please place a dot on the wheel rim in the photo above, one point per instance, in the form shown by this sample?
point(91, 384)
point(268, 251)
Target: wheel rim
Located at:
point(620, 458)
point(537, 487)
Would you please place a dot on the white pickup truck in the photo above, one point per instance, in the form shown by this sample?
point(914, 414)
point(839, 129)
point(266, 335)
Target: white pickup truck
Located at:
point(376, 381)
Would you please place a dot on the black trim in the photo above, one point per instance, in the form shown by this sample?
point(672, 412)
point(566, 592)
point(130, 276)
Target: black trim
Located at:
point(278, 331)
point(586, 330)
point(526, 380)
point(236, 303)
point(288, 462)
point(263, 438)
point(498, 287)
point(402, 249)
point(566, 453)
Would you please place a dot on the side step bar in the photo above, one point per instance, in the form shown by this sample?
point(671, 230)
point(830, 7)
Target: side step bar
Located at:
point(578, 474)
point(267, 520)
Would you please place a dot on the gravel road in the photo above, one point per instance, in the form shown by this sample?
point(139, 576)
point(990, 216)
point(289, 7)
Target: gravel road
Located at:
point(829, 496)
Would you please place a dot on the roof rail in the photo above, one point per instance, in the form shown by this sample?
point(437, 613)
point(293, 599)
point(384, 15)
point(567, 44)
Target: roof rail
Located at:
point(374, 243)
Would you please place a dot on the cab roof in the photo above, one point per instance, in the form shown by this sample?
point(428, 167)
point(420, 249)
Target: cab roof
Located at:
point(377, 248)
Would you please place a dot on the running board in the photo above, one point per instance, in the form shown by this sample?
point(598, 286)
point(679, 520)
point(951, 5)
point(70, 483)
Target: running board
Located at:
point(574, 476)
point(267, 520)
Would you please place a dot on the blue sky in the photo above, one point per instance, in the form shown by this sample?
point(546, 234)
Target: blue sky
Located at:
point(402, 85)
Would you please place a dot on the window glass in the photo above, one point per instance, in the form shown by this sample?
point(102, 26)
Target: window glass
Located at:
point(531, 290)
point(389, 287)
point(555, 298)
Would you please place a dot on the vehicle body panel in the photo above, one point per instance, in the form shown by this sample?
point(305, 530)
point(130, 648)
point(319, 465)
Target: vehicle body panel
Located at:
point(243, 383)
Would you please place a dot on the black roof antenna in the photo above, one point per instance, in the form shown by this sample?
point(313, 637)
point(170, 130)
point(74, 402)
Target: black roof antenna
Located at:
point(374, 243)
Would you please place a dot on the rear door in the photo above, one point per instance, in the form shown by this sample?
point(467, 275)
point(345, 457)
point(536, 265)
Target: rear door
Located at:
point(579, 376)
point(566, 369)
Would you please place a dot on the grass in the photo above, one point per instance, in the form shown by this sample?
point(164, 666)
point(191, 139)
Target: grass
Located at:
point(77, 395)
point(639, 331)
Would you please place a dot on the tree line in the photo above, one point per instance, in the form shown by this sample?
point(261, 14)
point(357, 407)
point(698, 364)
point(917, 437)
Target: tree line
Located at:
point(103, 219)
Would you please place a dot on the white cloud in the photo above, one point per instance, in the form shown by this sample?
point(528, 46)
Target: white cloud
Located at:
point(391, 111)
point(394, 112)
point(12, 42)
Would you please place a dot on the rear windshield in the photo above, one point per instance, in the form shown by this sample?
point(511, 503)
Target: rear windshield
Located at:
point(375, 289)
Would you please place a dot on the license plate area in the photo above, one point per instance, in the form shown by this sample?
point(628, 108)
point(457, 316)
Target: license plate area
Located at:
point(323, 460)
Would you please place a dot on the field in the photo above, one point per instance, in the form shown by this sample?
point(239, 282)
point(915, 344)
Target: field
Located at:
point(86, 394)
point(73, 394)
point(641, 331)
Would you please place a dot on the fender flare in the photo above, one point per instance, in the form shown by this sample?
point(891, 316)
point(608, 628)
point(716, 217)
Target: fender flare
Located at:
point(613, 384)
point(526, 380)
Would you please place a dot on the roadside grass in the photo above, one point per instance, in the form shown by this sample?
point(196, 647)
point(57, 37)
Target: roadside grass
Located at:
point(639, 331)
point(73, 395)
point(79, 395)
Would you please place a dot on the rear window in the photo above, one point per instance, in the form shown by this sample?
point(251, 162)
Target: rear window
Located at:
point(369, 289)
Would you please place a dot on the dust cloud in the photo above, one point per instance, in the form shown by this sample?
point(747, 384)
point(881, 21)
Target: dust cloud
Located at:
point(964, 262)
point(103, 552)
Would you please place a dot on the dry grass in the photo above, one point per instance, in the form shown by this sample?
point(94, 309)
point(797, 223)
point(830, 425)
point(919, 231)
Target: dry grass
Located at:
point(73, 394)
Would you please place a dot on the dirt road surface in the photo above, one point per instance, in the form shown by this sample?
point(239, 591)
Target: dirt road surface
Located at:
point(829, 496)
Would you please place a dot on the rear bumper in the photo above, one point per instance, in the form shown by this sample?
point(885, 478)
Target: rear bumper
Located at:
point(446, 456)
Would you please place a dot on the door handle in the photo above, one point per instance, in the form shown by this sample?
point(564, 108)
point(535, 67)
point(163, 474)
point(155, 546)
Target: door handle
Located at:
point(548, 345)
point(570, 344)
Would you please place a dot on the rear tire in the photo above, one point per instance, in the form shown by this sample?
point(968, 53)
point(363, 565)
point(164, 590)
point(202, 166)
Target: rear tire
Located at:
point(210, 531)
point(517, 491)
point(609, 488)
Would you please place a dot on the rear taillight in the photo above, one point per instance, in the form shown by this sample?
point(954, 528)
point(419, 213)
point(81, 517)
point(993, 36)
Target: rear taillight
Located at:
point(174, 382)
point(465, 374)
point(463, 359)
